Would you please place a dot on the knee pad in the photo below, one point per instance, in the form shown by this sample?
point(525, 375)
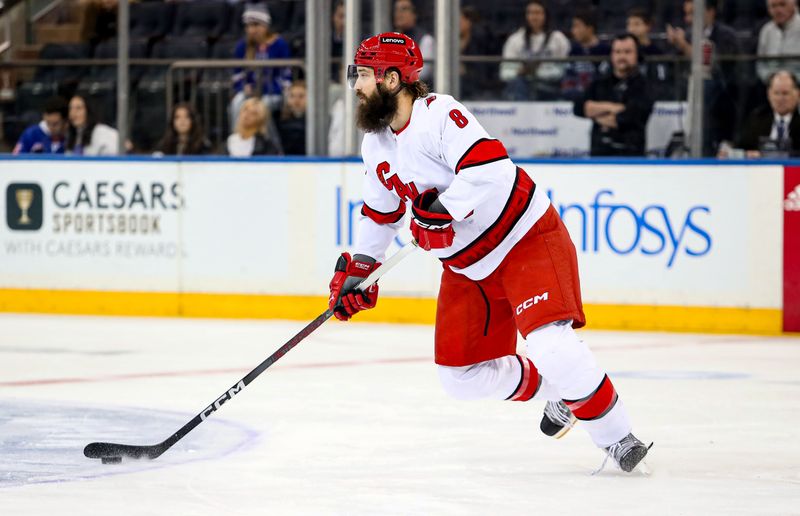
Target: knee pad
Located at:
point(491, 379)
point(564, 360)
point(455, 381)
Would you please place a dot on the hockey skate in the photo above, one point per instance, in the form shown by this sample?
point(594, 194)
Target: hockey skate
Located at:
point(557, 419)
point(627, 453)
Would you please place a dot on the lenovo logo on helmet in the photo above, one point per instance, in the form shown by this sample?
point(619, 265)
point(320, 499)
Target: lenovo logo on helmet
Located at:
point(396, 41)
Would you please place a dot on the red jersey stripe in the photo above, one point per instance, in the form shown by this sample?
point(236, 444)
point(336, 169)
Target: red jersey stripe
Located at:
point(384, 218)
point(482, 152)
point(518, 202)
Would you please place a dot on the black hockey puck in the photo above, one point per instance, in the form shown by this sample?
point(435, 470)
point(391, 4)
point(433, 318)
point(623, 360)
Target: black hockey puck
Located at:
point(111, 460)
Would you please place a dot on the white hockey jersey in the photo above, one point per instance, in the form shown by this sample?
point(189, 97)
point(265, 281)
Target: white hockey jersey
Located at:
point(492, 201)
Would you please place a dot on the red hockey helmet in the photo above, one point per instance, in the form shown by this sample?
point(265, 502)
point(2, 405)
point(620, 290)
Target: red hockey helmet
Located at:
point(385, 51)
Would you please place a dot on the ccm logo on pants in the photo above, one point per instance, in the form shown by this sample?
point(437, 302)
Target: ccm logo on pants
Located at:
point(531, 301)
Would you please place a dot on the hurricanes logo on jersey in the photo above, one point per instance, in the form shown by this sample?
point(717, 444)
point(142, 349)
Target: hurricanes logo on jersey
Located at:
point(403, 190)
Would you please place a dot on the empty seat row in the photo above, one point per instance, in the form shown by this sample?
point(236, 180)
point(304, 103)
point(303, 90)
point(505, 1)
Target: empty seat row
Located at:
point(203, 19)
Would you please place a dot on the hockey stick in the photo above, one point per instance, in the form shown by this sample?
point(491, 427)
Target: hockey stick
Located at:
point(113, 453)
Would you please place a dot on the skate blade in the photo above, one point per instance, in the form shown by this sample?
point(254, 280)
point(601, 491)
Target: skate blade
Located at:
point(561, 433)
point(566, 428)
point(643, 468)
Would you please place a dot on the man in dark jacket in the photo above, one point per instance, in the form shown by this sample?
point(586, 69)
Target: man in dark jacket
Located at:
point(618, 103)
point(779, 123)
point(720, 91)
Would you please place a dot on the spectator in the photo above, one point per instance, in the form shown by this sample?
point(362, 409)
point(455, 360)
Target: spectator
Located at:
point(184, 135)
point(721, 37)
point(719, 92)
point(292, 122)
point(86, 136)
point(534, 41)
point(778, 124)
point(405, 22)
point(580, 74)
point(46, 137)
point(640, 24)
point(254, 134)
point(779, 36)
point(474, 39)
point(260, 43)
point(337, 38)
point(618, 103)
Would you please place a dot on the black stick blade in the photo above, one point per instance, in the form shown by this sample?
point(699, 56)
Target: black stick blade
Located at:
point(110, 450)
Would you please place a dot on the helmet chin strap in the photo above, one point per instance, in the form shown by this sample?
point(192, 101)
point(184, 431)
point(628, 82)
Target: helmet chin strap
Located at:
point(395, 92)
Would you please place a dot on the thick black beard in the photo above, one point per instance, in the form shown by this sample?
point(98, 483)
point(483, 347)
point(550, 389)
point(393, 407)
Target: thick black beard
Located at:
point(375, 114)
point(626, 71)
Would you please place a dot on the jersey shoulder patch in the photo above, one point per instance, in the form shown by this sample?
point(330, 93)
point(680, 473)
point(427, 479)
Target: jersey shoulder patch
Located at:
point(436, 102)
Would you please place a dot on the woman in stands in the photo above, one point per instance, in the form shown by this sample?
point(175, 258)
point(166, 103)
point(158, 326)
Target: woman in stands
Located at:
point(184, 135)
point(85, 135)
point(292, 120)
point(255, 134)
point(260, 43)
point(535, 40)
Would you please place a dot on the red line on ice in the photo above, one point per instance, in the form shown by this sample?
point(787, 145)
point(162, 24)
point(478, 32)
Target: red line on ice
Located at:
point(201, 372)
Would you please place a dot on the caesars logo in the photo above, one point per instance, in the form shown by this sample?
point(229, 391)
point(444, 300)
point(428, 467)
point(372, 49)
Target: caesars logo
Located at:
point(101, 207)
point(24, 206)
point(119, 207)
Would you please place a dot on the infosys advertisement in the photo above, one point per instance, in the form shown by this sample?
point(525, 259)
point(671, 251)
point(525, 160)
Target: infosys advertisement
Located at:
point(673, 235)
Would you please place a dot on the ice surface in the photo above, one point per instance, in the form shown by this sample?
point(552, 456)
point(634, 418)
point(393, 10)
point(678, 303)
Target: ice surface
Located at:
point(43, 442)
point(352, 421)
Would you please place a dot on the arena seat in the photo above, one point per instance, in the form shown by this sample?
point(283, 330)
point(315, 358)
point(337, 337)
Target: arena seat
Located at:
point(99, 85)
point(202, 19)
point(151, 21)
point(52, 80)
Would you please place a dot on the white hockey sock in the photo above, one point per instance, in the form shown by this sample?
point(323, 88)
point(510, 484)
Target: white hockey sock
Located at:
point(531, 383)
point(569, 365)
point(610, 428)
point(502, 378)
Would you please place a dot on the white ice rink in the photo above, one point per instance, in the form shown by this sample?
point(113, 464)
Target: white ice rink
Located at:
point(353, 421)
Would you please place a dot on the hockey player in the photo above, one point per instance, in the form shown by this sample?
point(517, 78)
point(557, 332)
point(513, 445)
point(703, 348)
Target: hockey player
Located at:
point(509, 264)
